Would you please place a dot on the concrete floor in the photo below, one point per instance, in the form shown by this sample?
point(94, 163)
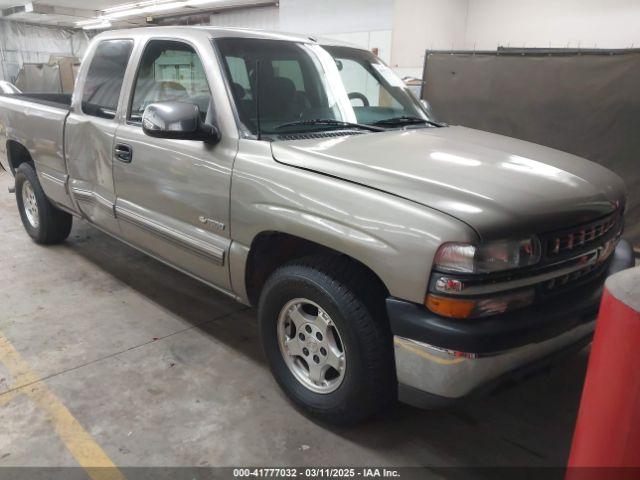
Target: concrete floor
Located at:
point(161, 371)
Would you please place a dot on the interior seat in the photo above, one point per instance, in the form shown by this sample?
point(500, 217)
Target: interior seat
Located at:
point(278, 98)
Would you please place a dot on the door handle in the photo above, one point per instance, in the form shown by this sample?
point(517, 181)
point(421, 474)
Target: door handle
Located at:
point(123, 152)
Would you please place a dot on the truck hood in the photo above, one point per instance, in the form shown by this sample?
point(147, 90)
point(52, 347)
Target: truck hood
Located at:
point(500, 186)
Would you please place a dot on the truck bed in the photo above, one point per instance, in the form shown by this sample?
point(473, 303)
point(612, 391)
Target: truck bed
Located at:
point(36, 122)
point(58, 100)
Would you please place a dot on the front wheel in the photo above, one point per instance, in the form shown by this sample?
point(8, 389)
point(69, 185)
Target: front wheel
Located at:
point(326, 338)
point(43, 222)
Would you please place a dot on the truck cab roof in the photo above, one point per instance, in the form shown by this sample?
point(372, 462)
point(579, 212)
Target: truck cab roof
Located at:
point(187, 32)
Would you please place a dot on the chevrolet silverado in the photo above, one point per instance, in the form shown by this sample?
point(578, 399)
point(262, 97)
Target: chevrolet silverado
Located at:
point(390, 256)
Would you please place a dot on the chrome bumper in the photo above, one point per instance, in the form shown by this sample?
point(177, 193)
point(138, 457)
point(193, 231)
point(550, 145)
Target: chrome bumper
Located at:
point(448, 375)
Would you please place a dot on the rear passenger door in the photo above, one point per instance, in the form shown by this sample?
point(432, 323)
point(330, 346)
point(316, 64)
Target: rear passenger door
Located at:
point(90, 129)
point(173, 195)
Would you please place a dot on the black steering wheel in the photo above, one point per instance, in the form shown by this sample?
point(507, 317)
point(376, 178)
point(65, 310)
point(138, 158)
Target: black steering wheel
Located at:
point(359, 96)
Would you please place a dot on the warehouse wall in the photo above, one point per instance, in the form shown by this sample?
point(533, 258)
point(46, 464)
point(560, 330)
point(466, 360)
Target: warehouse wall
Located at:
point(486, 24)
point(262, 18)
point(544, 23)
point(422, 24)
point(336, 16)
point(367, 23)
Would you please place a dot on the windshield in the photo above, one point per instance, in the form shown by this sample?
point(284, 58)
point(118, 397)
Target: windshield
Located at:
point(300, 82)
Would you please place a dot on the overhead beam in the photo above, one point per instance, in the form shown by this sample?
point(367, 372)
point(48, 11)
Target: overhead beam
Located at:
point(30, 9)
point(46, 14)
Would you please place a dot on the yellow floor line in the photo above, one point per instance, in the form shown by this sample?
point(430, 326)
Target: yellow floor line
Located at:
point(79, 442)
point(5, 398)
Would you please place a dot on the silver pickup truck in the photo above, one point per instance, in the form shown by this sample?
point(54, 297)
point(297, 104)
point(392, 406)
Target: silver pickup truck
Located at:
point(389, 255)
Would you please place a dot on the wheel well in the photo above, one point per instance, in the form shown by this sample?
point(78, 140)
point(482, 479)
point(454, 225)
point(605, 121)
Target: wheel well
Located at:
point(270, 250)
point(17, 154)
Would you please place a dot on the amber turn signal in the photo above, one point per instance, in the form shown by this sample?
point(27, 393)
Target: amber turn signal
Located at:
point(455, 307)
point(450, 307)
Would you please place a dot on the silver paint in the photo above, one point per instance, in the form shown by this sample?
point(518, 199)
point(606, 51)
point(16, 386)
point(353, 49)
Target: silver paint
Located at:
point(501, 186)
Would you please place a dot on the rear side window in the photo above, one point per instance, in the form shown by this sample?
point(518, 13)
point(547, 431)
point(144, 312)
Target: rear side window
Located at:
point(104, 79)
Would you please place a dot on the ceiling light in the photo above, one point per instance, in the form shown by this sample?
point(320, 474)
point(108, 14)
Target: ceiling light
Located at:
point(124, 13)
point(129, 6)
point(144, 7)
point(87, 22)
point(140, 8)
point(200, 2)
point(164, 6)
point(97, 26)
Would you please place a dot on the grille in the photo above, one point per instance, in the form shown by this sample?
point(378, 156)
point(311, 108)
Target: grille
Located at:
point(569, 278)
point(582, 236)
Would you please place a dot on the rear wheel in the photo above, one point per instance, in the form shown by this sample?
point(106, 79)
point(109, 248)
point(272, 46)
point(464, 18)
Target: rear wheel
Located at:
point(44, 223)
point(327, 339)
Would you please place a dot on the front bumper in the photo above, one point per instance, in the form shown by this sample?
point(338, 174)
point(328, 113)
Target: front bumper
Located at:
point(439, 359)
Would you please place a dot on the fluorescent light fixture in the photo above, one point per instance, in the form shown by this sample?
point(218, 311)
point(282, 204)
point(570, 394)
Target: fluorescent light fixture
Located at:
point(124, 13)
point(129, 6)
point(139, 9)
point(143, 8)
point(87, 22)
point(193, 3)
point(164, 6)
point(97, 26)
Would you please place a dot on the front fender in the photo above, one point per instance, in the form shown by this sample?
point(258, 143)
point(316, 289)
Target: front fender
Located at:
point(394, 237)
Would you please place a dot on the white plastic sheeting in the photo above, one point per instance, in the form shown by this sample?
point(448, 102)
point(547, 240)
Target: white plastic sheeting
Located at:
point(39, 78)
point(25, 43)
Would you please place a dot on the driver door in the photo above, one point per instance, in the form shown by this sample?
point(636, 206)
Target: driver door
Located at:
point(172, 196)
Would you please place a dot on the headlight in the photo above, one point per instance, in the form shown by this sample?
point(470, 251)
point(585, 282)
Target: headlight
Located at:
point(488, 257)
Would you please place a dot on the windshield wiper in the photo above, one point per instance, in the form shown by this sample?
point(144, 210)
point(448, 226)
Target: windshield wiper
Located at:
point(331, 123)
point(407, 120)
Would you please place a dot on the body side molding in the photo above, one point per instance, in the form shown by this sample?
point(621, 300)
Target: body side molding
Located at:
point(204, 249)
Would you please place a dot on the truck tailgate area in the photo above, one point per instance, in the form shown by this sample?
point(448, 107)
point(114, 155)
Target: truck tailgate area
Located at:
point(36, 122)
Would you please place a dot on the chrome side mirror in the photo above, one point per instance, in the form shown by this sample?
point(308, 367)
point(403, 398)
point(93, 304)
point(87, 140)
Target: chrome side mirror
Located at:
point(179, 121)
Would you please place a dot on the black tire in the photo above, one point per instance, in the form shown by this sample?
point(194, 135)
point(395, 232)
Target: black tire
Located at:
point(355, 303)
point(53, 225)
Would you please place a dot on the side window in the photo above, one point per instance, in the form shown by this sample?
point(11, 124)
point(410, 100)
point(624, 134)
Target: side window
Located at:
point(239, 72)
point(357, 79)
point(169, 70)
point(104, 78)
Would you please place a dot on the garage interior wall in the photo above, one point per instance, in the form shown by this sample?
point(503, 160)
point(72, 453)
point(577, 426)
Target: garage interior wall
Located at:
point(262, 18)
point(366, 23)
point(420, 25)
point(26, 43)
point(401, 30)
point(549, 23)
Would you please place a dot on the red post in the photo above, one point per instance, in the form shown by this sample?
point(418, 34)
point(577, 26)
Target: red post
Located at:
point(607, 432)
